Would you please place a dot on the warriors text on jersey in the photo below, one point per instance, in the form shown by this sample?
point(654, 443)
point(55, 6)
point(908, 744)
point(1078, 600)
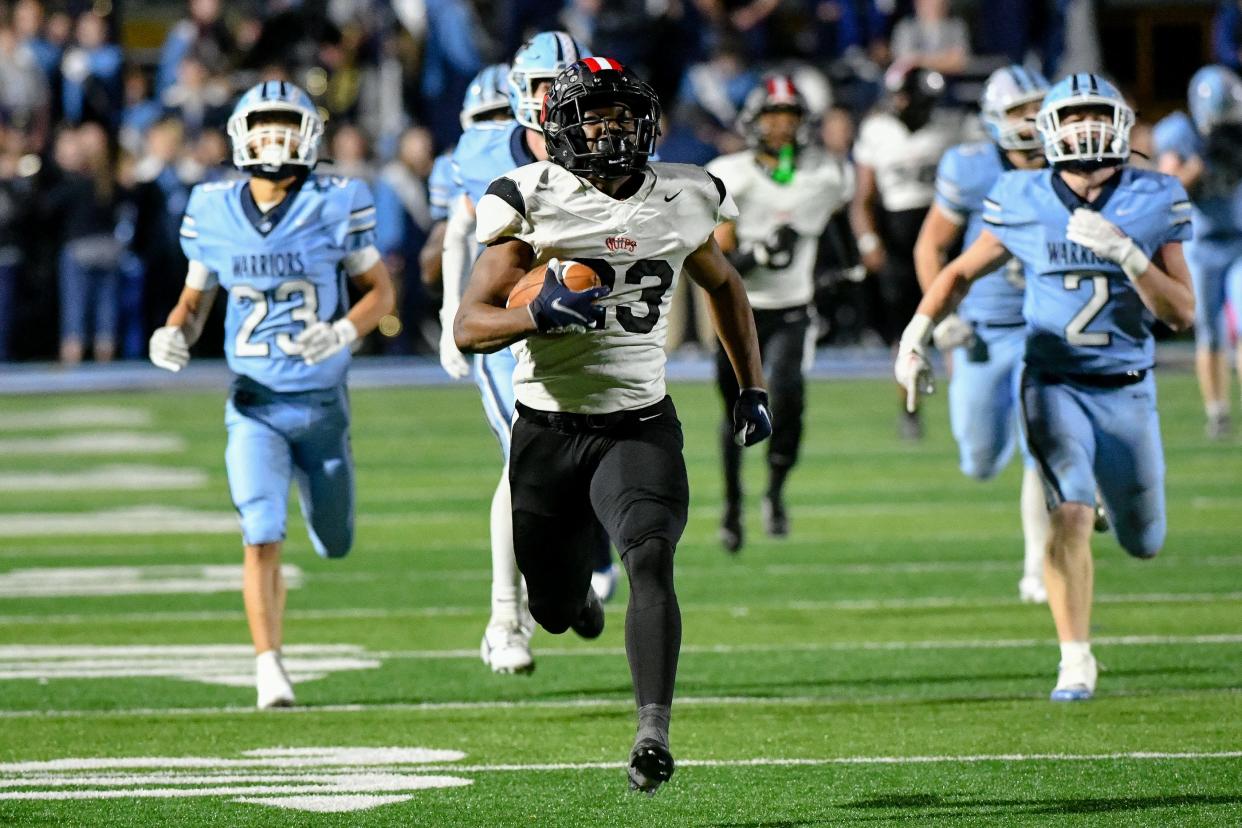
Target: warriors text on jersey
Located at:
point(1082, 314)
point(965, 175)
point(904, 161)
point(637, 245)
point(283, 270)
point(821, 186)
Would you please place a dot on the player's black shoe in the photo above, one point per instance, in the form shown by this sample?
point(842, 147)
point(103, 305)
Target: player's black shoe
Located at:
point(590, 623)
point(775, 519)
point(731, 528)
point(651, 765)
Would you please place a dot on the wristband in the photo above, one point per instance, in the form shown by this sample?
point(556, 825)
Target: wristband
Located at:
point(1134, 262)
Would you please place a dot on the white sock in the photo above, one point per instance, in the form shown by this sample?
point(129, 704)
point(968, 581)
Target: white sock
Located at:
point(268, 660)
point(1072, 651)
point(1035, 523)
point(506, 579)
point(1216, 409)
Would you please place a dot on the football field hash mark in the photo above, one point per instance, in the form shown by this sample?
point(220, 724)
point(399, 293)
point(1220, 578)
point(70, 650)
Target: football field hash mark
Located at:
point(94, 442)
point(227, 664)
point(132, 520)
point(104, 478)
point(76, 416)
point(56, 581)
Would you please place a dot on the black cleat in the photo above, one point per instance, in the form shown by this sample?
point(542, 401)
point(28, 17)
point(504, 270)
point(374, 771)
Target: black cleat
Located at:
point(731, 528)
point(775, 519)
point(590, 623)
point(651, 765)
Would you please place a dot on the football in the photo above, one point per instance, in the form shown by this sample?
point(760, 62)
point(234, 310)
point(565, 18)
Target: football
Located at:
point(574, 275)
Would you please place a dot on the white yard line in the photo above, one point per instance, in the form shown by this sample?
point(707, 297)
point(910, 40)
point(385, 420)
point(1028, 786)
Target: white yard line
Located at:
point(94, 442)
point(104, 478)
point(76, 416)
point(134, 520)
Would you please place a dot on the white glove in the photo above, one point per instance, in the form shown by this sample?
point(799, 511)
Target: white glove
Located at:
point(952, 332)
point(452, 360)
point(1105, 239)
point(321, 340)
point(912, 370)
point(168, 348)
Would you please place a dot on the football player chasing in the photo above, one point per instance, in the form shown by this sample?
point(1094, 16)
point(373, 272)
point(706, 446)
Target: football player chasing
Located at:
point(597, 440)
point(987, 334)
point(786, 189)
point(279, 243)
point(1101, 244)
point(1204, 151)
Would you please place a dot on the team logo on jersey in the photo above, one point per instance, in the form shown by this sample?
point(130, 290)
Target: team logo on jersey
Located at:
point(617, 244)
point(269, 264)
point(1069, 253)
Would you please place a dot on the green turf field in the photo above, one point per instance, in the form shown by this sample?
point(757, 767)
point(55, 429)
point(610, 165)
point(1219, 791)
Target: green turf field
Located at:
point(874, 668)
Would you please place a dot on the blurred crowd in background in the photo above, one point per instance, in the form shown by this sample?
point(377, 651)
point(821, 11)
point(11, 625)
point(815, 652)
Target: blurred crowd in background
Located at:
point(100, 143)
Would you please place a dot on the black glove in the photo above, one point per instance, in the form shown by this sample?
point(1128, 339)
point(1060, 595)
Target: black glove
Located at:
point(557, 308)
point(752, 419)
point(777, 250)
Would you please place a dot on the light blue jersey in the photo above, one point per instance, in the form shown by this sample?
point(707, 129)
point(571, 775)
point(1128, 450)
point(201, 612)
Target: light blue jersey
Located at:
point(964, 177)
point(282, 271)
point(1083, 315)
point(487, 151)
point(1217, 214)
point(440, 187)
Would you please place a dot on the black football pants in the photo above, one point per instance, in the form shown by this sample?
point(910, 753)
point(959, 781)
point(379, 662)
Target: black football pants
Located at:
point(573, 476)
point(782, 344)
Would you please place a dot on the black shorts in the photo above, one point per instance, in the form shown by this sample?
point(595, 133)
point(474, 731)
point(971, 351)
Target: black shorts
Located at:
point(575, 475)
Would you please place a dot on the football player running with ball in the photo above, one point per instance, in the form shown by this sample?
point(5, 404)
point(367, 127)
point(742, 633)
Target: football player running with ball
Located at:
point(786, 190)
point(278, 242)
point(1101, 243)
point(597, 439)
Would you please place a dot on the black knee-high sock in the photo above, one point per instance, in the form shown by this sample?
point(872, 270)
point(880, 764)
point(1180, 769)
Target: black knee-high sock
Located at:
point(652, 622)
point(778, 470)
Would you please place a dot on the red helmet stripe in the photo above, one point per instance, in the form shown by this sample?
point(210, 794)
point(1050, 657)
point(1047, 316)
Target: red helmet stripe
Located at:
point(600, 64)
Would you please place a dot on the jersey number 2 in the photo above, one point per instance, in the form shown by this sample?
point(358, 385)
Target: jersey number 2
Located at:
point(306, 313)
point(1075, 332)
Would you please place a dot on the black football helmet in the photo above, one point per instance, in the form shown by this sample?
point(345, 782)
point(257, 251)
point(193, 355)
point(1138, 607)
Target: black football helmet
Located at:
point(596, 83)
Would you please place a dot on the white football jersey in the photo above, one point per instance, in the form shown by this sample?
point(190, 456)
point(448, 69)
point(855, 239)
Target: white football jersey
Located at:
point(904, 161)
point(637, 245)
point(821, 185)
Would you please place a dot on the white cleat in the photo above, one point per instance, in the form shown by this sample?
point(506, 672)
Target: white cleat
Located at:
point(506, 648)
point(272, 682)
point(1031, 590)
point(604, 582)
point(1076, 681)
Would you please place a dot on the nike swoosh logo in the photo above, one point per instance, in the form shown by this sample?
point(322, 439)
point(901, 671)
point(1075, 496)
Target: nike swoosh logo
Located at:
point(673, 196)
point(1122, 212)
point(557, 305)
point(651, 417)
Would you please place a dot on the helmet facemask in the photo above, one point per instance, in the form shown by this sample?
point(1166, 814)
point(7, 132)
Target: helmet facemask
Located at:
point(1013, 129)
point(275, 141)
point(1086, 143)
point(603, 135)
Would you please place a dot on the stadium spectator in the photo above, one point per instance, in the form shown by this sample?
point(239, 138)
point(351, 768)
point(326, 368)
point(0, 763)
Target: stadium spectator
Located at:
point(1227, 34)
point(24, 95)
point(351, 153)
point(198, 99)
point(931, 39)
point(451, 58)
point(15, 198)
point(403, 222)
point(83, 204)
point(205, 33)
point(141, 110)
point(91, 71)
